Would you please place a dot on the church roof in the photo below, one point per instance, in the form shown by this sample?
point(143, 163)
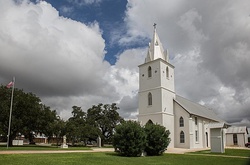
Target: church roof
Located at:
point(197, 109)
point(218, 125)
point(155, 50)
point(241, 129)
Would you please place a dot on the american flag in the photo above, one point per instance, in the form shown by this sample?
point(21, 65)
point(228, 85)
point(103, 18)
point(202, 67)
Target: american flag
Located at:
point(10, 84)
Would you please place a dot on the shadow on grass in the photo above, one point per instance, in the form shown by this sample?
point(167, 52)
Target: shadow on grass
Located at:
point(248, 162)
point(120, 155)
point(116, 154)
point(113, 154)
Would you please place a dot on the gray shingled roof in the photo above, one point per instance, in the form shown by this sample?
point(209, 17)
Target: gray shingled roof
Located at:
point(197, 109)
point(241, 129)
point(218, 125)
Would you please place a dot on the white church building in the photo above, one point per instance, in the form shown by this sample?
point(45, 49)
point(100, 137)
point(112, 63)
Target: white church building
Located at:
point(188, 122)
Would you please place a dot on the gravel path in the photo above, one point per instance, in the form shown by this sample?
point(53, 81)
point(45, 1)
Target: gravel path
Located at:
point(55, 151)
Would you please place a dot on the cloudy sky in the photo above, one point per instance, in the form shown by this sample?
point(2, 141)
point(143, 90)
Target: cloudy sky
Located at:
point(85, 52)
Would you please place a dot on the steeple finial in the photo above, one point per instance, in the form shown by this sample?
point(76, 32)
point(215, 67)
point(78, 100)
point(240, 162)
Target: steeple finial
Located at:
point(154, 25)
point(155, 50)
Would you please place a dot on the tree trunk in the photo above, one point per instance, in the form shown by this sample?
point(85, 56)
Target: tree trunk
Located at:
point(73, 142)
point(49, 138)
point(31, 138)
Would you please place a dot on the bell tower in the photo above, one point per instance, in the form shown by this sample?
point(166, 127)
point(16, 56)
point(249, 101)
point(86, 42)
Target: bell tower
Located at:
point(156, 87)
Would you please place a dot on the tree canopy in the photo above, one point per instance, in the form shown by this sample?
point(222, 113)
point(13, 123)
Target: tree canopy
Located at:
point(104, 117)
point(99, 120)
point(28, 114)
point(77, 129)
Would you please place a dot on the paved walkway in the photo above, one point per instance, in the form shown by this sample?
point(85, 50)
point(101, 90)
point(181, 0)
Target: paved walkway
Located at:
point(171, 150)
point(55, 151)
point(183, 150)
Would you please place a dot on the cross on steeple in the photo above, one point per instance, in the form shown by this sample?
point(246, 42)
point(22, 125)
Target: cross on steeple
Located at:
point(154, 25)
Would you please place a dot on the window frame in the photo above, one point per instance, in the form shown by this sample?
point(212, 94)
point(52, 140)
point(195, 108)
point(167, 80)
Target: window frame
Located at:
point(149, 72)
point(235, 139)
point(196, 135)
point(181, 122)
point(150, 99)
point(167, 72)
point(182, 137)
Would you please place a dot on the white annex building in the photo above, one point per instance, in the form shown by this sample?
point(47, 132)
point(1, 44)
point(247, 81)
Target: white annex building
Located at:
point(188, 122)
point(237, 136)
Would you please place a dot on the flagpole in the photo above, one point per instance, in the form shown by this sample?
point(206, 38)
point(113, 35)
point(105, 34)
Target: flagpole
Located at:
point(11, 103)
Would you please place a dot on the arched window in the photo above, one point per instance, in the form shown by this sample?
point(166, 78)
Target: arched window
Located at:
point(149, 98)
point(149, 122)
point(149, 71)
point(181, 122)
point(167, 72)
point(182, 137)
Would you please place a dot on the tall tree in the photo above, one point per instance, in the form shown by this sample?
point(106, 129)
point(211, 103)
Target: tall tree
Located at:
point(46, 120)
point(104, 117)
point(58, 128)
point(76, 126)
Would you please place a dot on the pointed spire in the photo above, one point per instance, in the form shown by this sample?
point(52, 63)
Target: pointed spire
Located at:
point(155, 49)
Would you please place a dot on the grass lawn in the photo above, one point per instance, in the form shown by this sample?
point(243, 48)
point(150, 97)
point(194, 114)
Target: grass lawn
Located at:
point(37, 147)
point(114, 159)
point(228, 152)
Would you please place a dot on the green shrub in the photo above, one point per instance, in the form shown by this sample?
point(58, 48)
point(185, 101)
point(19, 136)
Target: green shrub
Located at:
point(129, 139)
point(157, 139)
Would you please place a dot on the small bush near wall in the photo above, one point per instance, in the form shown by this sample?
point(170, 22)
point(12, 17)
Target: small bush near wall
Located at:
point(129, 139)
point(157, 139)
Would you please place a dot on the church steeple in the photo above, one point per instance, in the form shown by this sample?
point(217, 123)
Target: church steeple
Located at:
point(156, 88)
point(155, 49)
